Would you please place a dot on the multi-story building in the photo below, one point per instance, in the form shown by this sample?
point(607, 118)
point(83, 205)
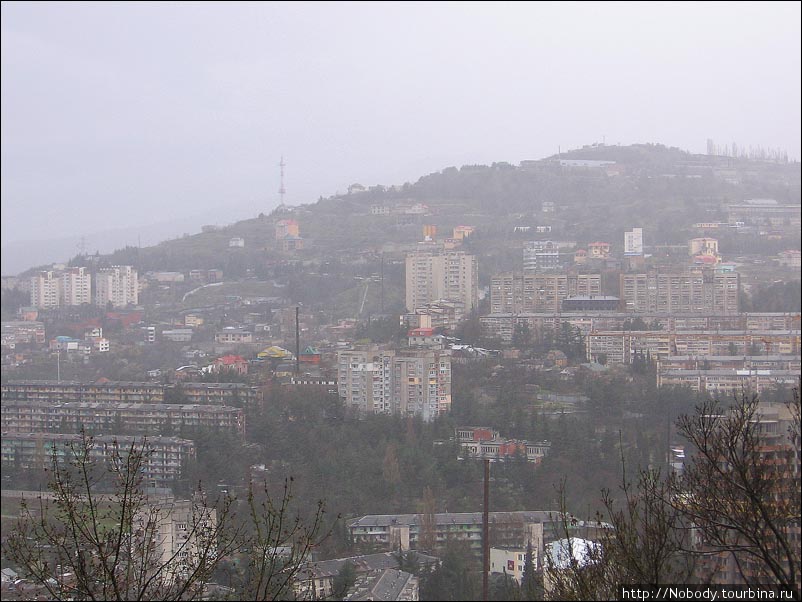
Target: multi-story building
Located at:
point(502, 325)
point(765, 213)
point(142, 418)
point(515, 293)
point(118, 285)
point(404, 531)
point(233, 335)
point(46, 290)
point(703, 246)
point(436, 275)
point(541, 256)
point(76, 286)
point(777, 457)
point(163, 463)
point(622, 347)
point(178, 535)
point(730, 362)
point(438, 314)
point(633, 242)
point(407, 383)
point(724, 382)
point(696, 291)
point(229, 394)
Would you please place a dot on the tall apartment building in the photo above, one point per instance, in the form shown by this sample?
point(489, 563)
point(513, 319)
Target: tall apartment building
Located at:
point(633, 242)
point(695, 291)
point(541, 256)
point(515, 293)
point(448, 275)
point(76, 286)
point(118, 285)
point(407, 383)
point(46, 290)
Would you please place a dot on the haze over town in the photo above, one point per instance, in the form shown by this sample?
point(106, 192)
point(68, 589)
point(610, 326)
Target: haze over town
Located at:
point(150, 120)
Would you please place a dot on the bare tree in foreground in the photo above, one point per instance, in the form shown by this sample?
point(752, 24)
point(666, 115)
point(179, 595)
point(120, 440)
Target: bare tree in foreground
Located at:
point(736, 506)
point(78, 544)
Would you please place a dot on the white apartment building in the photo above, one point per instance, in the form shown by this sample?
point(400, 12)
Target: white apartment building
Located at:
point(76, 286)
point(118, 285)
point(409, 383)
point(448, 275)
point(633, 242)
point(178, 534)
point(46, 290)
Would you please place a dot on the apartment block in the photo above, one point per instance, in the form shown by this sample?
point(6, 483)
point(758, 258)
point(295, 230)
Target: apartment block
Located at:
point(46, 290)
point(438, 314)
point(633, 242)
point(229, 394)
point(731, 362)
point(404, 531)
point(441, 275)
point(142, 418)
point(515, 293)
point(621, 347)
point(725, 383)
point(696, 291)
point(163, 464)
point(118, 285)
point(179, 534)
point(407, 383)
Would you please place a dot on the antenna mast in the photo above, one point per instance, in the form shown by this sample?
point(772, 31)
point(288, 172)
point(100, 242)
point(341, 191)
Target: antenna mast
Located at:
point(281, 190)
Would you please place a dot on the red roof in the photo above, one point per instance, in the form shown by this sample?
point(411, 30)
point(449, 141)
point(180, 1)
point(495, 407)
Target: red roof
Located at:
point(421, 332)
point(228, 360)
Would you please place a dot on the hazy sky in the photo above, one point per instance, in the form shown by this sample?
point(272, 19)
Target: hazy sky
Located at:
point(128, 114)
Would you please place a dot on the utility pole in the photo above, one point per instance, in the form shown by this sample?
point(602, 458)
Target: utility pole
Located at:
point(486, 534)
point(297, 343)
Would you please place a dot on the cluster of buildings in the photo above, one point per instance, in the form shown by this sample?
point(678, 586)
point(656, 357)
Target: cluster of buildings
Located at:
point(478, 442)
point(40, 417)
point(117, 285)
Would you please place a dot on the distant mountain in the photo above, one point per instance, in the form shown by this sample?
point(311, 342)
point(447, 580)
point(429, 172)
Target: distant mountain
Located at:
point(662, 189)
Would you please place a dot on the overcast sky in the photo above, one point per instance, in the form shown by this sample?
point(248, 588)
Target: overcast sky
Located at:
point(117, 115)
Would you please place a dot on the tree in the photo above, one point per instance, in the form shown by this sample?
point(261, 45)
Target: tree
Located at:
point(736, 506)
point(100, 536)
point(741, 490)
point(343, 580)
point(80, 544)
point(428, 528)
point(278, 546)
point(529, 585)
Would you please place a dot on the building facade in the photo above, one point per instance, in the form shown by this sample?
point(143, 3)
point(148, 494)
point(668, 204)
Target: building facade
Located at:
point(435, 275)
point(118, 285)
point(696, 291)
point(105, 417)
point(406, 383)
point(163, 462)
point(515, 293)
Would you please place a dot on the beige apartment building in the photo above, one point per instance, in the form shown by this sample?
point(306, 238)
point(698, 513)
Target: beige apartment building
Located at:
point(514, 292)
point(435, 275)
point(144, 418)
point(696, 291)
point(118, 285)
point(407, 383)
